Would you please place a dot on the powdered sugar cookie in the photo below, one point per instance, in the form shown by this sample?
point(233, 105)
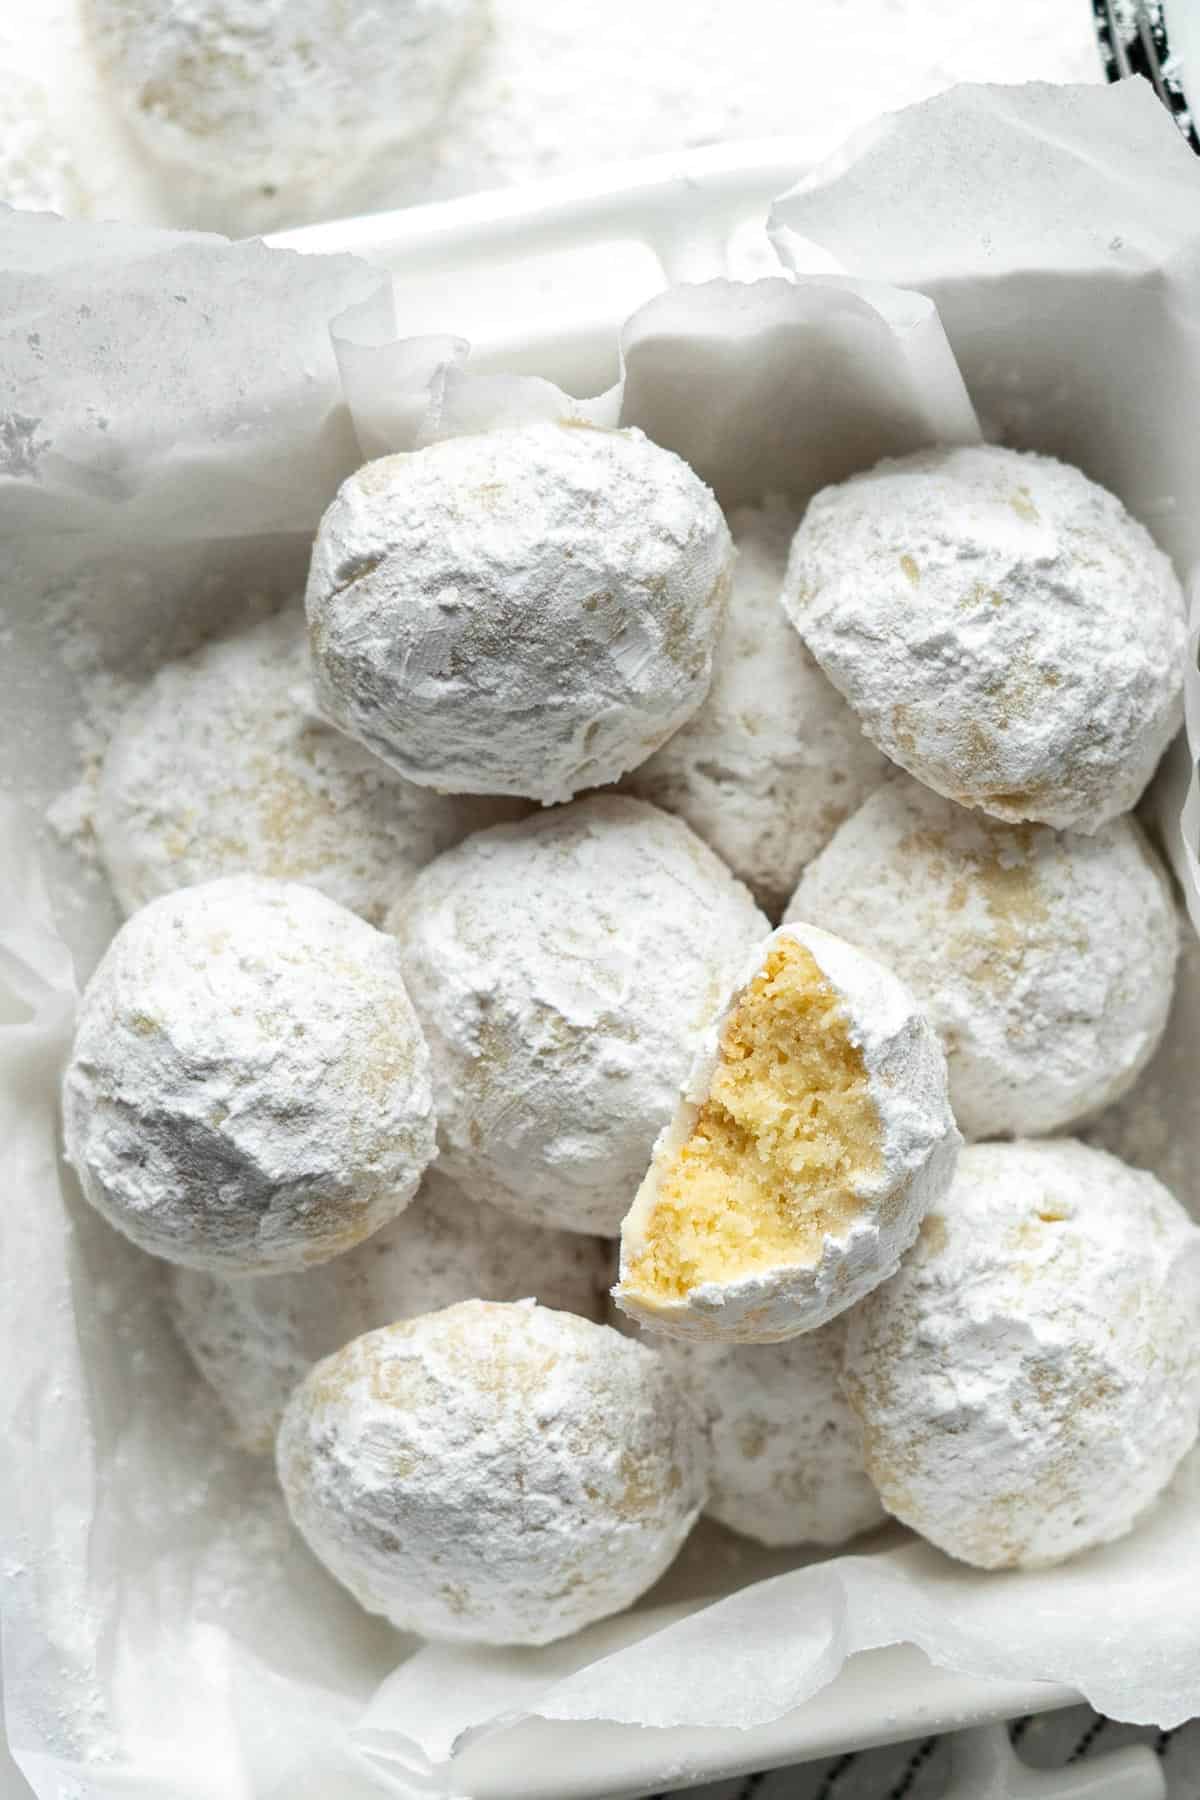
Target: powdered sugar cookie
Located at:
point(493, 1474)
point(1029, 1381)
point(1045, 959)
point(787, 1463)
point(529, 610)
point(280, 91)
point(254, 1338)
point(221, 767)
point(1002, 627)
point(248, 1088)
point(774, 760)
point(813, 1133)
point(563, 969)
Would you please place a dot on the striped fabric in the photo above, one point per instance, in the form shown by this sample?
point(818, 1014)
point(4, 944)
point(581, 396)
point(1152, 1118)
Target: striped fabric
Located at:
point(920, 1770)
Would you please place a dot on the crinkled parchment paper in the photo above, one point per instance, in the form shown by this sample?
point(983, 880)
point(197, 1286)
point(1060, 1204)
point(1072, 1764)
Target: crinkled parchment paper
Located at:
point(174, 414)
point(1057, 231)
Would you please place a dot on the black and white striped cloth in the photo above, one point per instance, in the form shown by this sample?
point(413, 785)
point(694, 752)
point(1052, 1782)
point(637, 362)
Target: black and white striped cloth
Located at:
point(920, 1770)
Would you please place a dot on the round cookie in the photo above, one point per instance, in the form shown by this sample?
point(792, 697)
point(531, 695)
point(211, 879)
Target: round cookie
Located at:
point(220, 767)
point(813, 1132)
point(254, 1338)
point(1002, 627)
point(248, 1089)
point(786, 1460)
point(1044, 959)
point(562, 969)
point(493, 1474)
point(530, 610)
point(774, 759)
point(279, 91)
point(1029, 1381)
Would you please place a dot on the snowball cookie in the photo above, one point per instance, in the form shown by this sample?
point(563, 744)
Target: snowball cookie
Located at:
point(218, 768)
point(493, 1474)
point(813, 1133)
point(273, 91)
point(525, 611)
point(562, 969)
point(774, 760)
point(1045, 959)
point(254, 1338)
point(1004, 630)
point(249, 1089)
point(1030, 1379)
point(786, 1461)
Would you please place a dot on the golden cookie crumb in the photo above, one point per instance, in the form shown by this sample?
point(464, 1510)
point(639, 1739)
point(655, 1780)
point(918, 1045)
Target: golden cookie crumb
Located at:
point(779, 1149)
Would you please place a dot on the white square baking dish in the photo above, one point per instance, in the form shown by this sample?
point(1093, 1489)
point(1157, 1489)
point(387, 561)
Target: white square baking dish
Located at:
point(540, 280)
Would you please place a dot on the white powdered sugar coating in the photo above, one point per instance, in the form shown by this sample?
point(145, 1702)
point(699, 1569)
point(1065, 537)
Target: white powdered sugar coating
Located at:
point(918, 1147)
point(220, 767)
point(280, 90)
point(1029, 1381)
point(774, 760)
point(37, 170)
point(787, 1464)
point(1154, 1126)
point(530, 610)
point(1001, 625)
point(493, 1474)
point(1045, 959)
point(562, 969)
point(255, 1338)
point(248, 1089)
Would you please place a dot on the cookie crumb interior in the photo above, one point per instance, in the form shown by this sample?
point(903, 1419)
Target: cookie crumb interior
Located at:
point(779, 1148)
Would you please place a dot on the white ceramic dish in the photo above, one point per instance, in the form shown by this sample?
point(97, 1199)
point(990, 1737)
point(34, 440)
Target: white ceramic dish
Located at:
point(539, 280)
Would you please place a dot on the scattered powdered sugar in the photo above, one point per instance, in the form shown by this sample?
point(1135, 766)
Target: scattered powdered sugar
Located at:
point(774, 759)
point(495, 1474)
point(554, 89)
point(562, 969)
point(103, 695)
point(1045, 959)
point(248, 1089)
point(1002, 627)
point(1029, 1381)
point(255, 1338)
point(524, 611)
